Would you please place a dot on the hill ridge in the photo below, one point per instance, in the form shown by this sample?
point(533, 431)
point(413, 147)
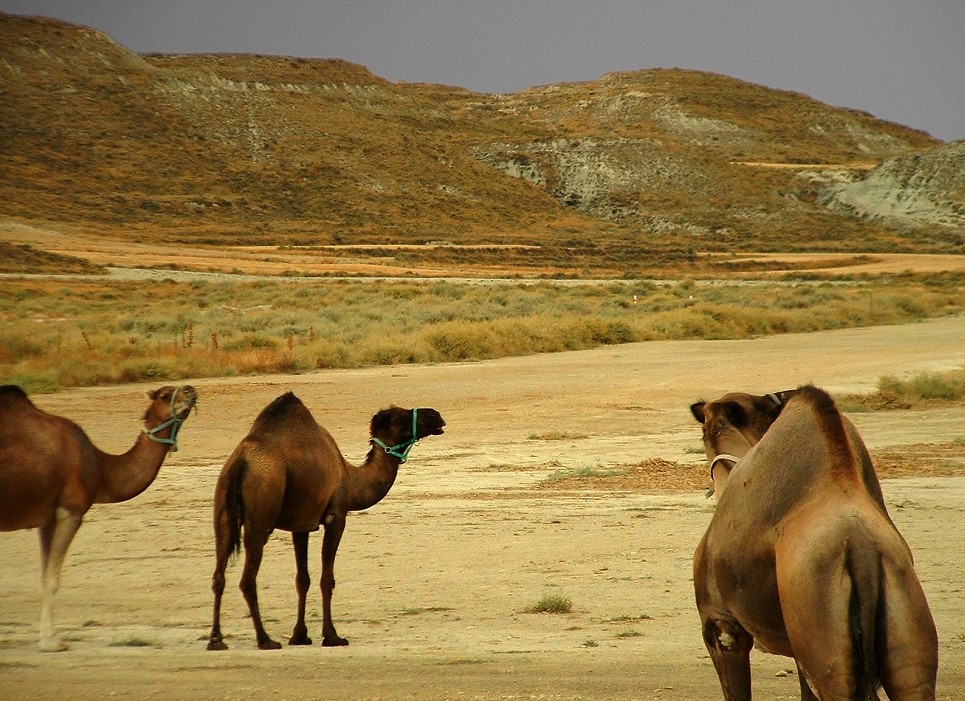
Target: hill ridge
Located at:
point(249, 148)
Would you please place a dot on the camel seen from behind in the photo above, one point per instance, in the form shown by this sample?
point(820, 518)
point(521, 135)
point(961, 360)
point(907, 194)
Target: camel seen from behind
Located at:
point(289, 474)
point(801, 558)
point(51, 473)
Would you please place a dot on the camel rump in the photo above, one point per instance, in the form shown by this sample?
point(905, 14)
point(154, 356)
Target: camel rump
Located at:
point(801, 558)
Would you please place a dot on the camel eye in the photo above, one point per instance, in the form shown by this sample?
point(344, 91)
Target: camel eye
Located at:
point(717, 428)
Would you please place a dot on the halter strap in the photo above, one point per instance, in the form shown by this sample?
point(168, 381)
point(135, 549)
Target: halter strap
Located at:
point(400, 450)
point(173, 421)
point(722, 456)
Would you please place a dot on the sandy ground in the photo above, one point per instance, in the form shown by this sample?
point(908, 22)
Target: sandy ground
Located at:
point(434, 582)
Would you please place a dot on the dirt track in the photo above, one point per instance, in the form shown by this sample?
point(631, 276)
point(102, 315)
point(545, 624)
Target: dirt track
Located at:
point(433, 582)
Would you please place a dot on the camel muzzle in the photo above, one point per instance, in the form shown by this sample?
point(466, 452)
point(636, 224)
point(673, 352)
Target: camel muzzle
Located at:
point(175, 422)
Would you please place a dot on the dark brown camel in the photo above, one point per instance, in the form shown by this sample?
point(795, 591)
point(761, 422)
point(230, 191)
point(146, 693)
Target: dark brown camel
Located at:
point(288, 473)
point(802, 560)
point(51, 474)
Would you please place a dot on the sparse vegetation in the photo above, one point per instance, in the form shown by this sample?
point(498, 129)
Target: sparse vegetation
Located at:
point(556, 436)
point(924, 388)
point(629, 634)
point(135, 641)
point(77, 333)
point(552, 603)
point(21, 257)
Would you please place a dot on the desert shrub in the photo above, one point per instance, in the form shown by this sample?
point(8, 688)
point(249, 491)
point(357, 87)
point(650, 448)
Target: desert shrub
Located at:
point(251, 341)
point(34, 382)
point(552, 603)
point(949, 386)
point(896, 393)
point(83, 371)
point(140, 370)
point(393, 353)
point(460, 340)
point(327, 354)
point(19, 345)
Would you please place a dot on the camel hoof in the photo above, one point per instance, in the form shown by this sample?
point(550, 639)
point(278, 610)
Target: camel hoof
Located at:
point(300, 640)
point(269, 645)
point(334, 641)
point(52, 645)
point(217, 644)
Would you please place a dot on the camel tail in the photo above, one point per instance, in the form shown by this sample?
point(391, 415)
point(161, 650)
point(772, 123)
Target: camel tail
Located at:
point(866, 620)
point(235, 503)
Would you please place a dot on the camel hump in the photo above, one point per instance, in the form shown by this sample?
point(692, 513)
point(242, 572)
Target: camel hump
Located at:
point(12, 395)
point(832, 426)
point(13, 390)
point(279, 407)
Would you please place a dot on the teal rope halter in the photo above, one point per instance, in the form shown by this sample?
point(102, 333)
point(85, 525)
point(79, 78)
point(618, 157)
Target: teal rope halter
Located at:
point(401, 450)
point(173, 421)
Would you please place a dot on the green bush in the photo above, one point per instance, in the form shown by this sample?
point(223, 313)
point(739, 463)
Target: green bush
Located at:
point(948, 386)
point(552, 603)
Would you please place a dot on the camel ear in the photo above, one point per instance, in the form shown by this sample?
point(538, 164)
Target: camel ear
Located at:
point(780, 398)
point(773, 403)
point(697, 409)
point(735, 414)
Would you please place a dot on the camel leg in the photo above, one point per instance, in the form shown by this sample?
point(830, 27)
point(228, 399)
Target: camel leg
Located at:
point(222, 553)
point(730, 646)
point(302, 583)
point(806, 693)
point(55, 537)
point(333, 535)
point(910, 665)
point(254, 548)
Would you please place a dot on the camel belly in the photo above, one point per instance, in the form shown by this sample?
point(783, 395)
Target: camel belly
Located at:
point(298, 525)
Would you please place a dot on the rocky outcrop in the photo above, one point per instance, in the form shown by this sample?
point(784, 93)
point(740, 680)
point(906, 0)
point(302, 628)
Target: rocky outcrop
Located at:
point(924, 188)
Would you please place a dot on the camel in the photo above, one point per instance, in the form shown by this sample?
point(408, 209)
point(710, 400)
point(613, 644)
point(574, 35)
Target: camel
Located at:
point(745, 418)
point(288, 473)
point(51, 474)
point(801, 558)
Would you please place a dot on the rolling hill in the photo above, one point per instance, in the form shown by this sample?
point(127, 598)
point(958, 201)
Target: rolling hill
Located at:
point(251, 149)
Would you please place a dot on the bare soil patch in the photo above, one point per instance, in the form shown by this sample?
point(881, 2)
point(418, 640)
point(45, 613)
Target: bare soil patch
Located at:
point(434, 582)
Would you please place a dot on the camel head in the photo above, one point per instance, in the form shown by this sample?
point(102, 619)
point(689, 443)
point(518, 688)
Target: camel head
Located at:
point(732, 425)
point(396, 430)
point(169, 407)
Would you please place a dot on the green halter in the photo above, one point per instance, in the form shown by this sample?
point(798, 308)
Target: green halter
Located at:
point(173, 421)
point(401, 450)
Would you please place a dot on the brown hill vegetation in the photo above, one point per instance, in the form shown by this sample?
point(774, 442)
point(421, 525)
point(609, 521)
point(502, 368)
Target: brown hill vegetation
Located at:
point(247, 149)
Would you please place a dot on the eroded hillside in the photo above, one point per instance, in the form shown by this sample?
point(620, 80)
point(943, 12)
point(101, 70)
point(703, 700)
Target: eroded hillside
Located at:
point(261, 149)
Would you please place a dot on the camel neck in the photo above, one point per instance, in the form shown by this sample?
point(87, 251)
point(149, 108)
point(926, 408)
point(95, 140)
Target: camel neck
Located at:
point(124, 476)
point(368, 483)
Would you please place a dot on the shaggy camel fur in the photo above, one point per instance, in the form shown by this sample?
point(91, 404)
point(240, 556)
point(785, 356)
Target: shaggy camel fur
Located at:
point(802, 560)
point(51, 474)
point(288, 473)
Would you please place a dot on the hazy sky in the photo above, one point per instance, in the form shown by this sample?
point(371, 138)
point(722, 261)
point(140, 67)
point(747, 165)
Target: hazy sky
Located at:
point(901, 60)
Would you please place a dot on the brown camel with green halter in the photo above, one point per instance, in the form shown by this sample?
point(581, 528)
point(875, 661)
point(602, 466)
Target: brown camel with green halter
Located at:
point(289, 474)
point(51, 474)
point(801, 558)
